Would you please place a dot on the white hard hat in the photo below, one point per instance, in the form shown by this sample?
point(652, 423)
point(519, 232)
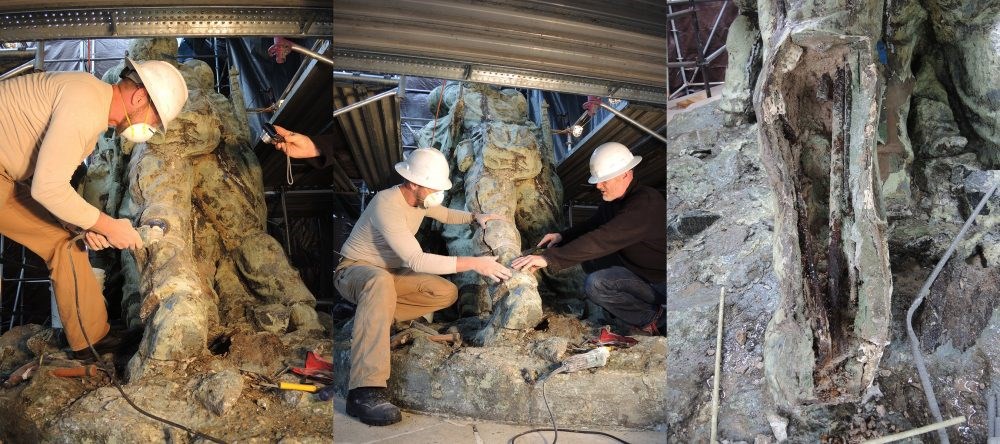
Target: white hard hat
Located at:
point(611, 160)
point(426, 167)
point(165, 86)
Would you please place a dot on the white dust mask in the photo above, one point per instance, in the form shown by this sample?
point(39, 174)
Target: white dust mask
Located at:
point(136, 132)
point(434, 199)
point(139, 132)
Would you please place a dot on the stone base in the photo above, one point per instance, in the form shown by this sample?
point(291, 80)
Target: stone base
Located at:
point(499, 383)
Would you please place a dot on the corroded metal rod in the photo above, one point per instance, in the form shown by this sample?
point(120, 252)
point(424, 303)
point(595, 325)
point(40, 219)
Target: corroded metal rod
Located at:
point(918, 360)
point(718, 365)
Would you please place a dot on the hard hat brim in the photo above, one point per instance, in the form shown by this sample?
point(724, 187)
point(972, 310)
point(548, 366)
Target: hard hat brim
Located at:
point(632, 163)
point(437, 184)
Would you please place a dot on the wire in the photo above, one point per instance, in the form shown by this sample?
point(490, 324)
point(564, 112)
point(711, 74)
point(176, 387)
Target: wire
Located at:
point(554, 429)
point(110, 367)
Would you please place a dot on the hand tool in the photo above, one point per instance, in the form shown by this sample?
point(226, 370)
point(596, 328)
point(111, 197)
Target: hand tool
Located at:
point(290, 386)
point(454, 338)
point(23, 373)
point(77, 372)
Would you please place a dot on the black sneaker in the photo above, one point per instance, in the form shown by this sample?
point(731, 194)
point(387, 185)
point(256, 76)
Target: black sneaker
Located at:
point(371, 405)
point(113, 342)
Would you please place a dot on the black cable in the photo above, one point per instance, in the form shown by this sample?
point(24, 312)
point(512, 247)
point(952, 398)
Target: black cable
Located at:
point(110, 366)
point(554, 429)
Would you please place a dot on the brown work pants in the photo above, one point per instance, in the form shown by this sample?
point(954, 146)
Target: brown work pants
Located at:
point(383, 296)
point(25, 221)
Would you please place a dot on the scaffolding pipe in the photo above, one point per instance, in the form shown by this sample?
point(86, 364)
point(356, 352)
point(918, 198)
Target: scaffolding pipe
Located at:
point(680, 13)
point(702, 63)
point(363, 79)
point(364, 102)
point(677, 46)
point(633, 122)
point(715, 54)
point(711, 35)
point(17, 53)
point(27, 66)
point(307, 52)
point(40, 56)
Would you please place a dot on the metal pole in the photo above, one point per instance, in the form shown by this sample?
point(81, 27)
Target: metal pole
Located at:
point(677, 48)
point(27, 66)
point(16, 53)
point(708, 42)
point(40, 56)
point(718, 366)
point(701, 55)
point(633, 122)
point(317, 56)
point(939, 426)
point(364, 79)
point(918, 360)
point(364, 102)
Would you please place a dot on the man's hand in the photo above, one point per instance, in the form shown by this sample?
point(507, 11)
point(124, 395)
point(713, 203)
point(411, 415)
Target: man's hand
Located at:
point(530, 263)
point(551, 240)
point(296, 145)
point(489, 267)
point(118, 232)
point(481, 218)
point(96, 241)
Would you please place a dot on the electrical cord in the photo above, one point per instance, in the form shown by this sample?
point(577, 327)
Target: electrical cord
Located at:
point(110, 368)
point(555, 438)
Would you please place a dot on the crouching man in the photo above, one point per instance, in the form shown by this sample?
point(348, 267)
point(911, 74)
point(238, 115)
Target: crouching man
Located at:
point(386, 273)
point(622, 246)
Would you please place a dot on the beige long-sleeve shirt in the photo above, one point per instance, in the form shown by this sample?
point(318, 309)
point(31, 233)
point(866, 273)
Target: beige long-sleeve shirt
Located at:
point(384, 234)
point(50, 122)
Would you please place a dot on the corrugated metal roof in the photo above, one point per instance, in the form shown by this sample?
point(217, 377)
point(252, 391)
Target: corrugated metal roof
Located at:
point(583, 47)
point(370, 133)
point(575, 169)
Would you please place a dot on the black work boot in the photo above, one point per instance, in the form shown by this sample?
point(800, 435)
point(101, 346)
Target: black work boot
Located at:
point(371, 405)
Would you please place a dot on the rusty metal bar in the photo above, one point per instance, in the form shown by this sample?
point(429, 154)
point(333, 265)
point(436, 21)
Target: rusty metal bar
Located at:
point(918, 359)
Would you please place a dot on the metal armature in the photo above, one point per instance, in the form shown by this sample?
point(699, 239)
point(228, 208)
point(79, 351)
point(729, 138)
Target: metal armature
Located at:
point(690, 65)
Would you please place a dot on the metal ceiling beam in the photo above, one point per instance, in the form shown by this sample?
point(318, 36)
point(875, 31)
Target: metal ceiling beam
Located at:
point(496, 75)
point(186, 21)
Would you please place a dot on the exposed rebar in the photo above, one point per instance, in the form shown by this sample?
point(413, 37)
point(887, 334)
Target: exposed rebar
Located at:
point(918, 359)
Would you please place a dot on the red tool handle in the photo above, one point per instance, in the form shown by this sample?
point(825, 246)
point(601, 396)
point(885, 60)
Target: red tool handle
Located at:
point(76, 372)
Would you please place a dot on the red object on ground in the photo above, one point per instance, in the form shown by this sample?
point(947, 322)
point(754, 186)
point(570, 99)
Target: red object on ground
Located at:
point(612, 339)
point(315, 368)
point(76, 372)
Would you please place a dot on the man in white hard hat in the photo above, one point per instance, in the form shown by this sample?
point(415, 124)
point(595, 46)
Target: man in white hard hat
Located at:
point(622, 246)
point(50, 122)
point(387, 274)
